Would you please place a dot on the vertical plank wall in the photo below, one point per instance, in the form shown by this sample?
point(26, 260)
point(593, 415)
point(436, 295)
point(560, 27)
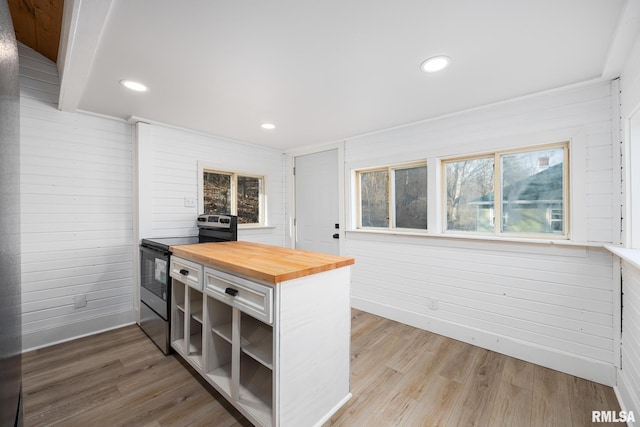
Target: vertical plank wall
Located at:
point(170, 158)
point(77, 218)
point(550, 304)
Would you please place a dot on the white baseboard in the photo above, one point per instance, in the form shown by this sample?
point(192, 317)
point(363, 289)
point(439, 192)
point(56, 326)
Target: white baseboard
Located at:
point(573, 364)
point(333, 410)
point(71, 331)
point(628, 398)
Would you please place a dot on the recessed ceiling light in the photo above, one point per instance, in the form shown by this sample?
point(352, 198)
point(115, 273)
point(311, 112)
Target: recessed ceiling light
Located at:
point(434, 64)
point(130, 84)
point(268, 126)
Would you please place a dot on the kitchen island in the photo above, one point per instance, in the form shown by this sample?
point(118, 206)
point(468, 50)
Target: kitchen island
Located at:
point(268, 327)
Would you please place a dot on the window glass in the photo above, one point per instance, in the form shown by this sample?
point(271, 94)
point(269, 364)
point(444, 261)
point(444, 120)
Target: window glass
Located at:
point(532, 187)
point(248, 199)
point(216, 193)
point(410, 187)
point(394, 197)
point(374, 198)
point(232, 194)
point(469, 189)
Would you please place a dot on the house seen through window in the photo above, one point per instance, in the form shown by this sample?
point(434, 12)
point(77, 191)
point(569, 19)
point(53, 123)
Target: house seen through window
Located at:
point(531, 186)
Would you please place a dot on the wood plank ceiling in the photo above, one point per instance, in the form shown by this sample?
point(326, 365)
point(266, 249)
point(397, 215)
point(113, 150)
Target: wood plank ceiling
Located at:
point(37, 24)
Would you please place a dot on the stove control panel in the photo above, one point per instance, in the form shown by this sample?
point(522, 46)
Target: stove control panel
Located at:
point(215, 221)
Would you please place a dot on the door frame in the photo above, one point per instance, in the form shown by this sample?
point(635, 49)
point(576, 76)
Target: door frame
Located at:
point(290, 215)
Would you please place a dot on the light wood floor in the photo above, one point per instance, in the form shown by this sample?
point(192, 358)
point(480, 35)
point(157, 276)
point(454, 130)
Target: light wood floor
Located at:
point(401, 376)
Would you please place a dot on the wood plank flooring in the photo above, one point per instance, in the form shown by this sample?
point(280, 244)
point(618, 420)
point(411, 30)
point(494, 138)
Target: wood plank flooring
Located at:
point(400, 376)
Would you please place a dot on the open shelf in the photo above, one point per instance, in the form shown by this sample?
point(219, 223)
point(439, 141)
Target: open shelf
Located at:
point(218, 363)
point(259, 354)
point(178, 293)
point(256, 389)
point(221, 377)
point(256, 340)
point(195, 327)
point(219, 343)
point(194, 351)
point(196, 309)
point(180, 345)
point(220, 318)
point(223, 331)
point(195, 339)
point(195, 344)
point(178, 317)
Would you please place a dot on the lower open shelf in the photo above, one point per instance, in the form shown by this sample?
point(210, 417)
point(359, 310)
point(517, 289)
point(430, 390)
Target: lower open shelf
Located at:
point(180, 345)
point(194, 352)
point(256, 406)
point(221, 377)
point(256, 389)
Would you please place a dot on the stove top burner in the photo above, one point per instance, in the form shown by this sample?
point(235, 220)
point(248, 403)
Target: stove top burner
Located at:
point(163, 243)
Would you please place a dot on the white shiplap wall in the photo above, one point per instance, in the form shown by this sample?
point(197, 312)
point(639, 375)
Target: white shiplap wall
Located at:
point(76, 213)
point(168, 161)
point(629, 373)
point(554, 305)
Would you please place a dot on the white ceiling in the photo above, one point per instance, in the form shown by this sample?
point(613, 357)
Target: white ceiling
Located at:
point(327, 70)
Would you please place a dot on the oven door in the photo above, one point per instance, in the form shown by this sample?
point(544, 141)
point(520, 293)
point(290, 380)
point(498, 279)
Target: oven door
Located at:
point(154, 280)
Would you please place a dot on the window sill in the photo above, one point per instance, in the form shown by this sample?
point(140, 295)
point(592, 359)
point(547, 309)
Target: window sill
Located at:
point(632, 256)
point(255, 227)
point(427, 235)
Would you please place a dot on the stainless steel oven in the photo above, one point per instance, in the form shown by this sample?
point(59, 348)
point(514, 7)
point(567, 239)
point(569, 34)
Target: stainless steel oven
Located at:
point(155, 282)
point(155, 287)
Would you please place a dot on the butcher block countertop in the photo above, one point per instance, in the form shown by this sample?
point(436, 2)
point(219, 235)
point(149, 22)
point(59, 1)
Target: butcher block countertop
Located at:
point(272, 264)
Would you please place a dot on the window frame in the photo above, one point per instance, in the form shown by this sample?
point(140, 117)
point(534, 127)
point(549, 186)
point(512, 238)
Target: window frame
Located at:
point(234, 193)
point(497, 191)
point(391, 192)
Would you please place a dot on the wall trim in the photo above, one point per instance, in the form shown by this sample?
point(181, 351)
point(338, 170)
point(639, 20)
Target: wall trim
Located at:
point(627, 397)
point(593, 370)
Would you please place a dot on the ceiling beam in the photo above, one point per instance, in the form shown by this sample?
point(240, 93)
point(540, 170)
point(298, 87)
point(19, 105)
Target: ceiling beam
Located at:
point(82, 24)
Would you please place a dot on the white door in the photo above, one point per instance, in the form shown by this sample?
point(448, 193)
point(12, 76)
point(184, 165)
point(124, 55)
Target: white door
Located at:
point(316, 192)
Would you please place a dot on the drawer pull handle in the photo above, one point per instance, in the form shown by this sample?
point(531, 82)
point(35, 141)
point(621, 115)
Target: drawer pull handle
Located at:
point(184, 272)
point(231, 291)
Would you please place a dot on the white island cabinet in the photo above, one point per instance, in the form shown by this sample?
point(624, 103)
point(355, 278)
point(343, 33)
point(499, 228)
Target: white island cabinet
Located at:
point(268, 327)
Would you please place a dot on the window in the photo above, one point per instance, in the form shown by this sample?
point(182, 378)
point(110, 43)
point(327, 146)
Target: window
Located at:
point(393, 197)
point(532, 186)
point(233, 194)
point(469, 194)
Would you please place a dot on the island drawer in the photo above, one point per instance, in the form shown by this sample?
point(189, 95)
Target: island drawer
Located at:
point(187, 272)
point(250, 297)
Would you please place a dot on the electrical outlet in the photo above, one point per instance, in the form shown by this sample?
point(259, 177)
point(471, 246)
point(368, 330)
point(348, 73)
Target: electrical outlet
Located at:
point(189, 202)
point(79, 301)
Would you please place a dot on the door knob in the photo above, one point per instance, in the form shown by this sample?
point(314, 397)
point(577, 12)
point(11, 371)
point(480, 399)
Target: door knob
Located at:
point(336, 236)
